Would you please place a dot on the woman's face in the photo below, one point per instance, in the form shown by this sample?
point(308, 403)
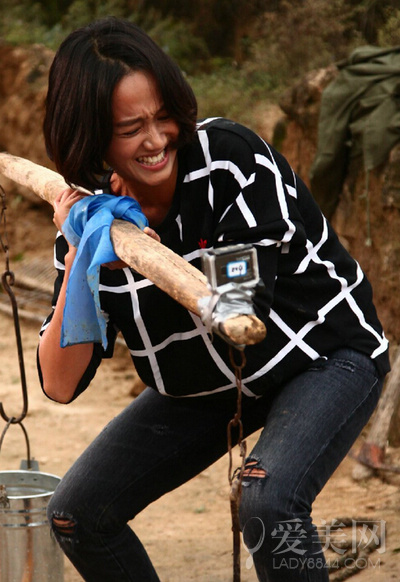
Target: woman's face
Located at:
point(142, 149)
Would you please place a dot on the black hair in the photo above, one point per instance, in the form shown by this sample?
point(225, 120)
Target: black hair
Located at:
point(89, 63)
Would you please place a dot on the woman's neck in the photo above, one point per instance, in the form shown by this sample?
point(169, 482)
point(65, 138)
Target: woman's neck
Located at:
point(155, 201)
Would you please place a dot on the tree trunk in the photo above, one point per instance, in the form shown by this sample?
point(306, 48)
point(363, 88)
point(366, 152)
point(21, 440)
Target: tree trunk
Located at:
point(372, 453)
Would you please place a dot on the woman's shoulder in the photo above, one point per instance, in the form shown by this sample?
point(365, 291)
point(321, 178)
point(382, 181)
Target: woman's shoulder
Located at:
point(237, 140)
point(222, 134)
point(220, 126)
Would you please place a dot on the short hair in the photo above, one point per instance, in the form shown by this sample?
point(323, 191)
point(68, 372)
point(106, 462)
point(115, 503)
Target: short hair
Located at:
point(89, 63)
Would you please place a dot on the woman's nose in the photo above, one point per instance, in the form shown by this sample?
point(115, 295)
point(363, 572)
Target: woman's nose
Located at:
point(154, 137)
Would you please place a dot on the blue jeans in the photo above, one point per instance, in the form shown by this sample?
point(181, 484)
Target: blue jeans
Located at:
point(157, 443)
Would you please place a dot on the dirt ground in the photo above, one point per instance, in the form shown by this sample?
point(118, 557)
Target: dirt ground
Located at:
point(188, 532)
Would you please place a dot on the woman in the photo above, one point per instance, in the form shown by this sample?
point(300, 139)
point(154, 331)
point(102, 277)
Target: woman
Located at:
point(117, 101)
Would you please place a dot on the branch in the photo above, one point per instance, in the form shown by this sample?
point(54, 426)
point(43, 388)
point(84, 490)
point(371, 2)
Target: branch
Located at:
point(167, 270)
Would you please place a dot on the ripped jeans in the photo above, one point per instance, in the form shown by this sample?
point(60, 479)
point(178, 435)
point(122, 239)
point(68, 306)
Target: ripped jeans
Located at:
point(157, 443)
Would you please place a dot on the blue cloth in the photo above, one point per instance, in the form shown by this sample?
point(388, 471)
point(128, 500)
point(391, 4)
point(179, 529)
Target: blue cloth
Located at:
point(88, 228)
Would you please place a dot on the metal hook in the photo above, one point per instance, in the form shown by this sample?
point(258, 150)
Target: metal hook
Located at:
point(7, 286)
point(7, 280)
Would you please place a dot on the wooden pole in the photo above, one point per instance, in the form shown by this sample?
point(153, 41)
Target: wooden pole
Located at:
point(167, 270)
point(42, 181)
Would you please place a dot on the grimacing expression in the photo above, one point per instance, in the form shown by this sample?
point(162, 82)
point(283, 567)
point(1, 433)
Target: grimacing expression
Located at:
point(142, 149)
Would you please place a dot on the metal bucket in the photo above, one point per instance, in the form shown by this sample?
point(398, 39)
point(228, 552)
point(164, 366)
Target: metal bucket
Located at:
point(28, 552)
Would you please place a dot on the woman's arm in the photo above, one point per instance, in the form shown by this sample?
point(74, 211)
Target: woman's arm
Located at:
point(62, 368)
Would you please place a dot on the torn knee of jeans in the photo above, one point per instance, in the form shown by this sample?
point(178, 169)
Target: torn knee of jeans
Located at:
point(253, 470)
point(64, 525)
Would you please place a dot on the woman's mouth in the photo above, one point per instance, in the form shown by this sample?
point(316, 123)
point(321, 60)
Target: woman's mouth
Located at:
point(152, 160)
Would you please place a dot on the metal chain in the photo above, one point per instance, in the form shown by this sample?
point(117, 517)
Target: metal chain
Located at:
point(8, 280)
point(235, 477)
point(3, 228)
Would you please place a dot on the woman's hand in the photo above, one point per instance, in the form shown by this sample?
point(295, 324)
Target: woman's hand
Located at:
point(121, 264)
point(63, 203)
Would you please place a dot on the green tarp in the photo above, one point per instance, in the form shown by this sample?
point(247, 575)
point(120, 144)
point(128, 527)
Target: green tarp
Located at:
point(360, 115)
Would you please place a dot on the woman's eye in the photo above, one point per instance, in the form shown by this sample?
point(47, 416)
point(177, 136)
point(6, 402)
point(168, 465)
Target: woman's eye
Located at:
point(131, 132)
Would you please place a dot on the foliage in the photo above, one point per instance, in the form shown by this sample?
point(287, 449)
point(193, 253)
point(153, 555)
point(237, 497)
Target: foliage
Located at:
point(21, 23)
point(304, 35)
point(230, 92)
point(178, 39)
point(235, 52)
point(389, 34)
